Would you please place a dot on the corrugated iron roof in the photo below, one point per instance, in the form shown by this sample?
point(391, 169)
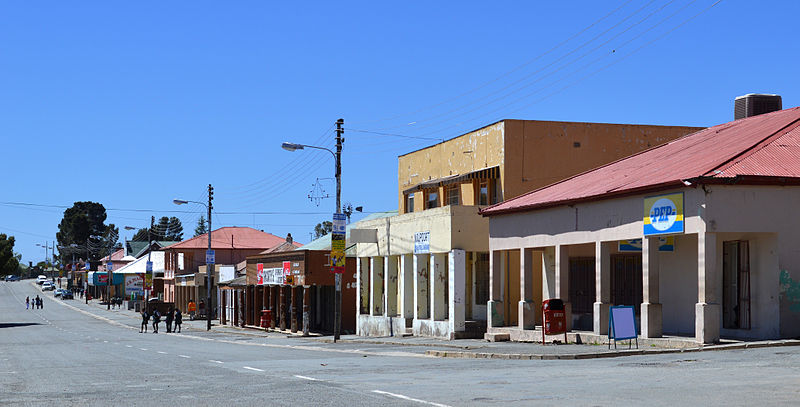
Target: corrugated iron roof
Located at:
point(767, 145)
point(231, 237)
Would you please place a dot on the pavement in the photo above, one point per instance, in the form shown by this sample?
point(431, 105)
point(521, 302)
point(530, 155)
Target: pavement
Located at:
point(70, 353)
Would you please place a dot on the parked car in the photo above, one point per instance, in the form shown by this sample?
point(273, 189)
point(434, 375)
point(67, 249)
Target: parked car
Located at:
point(12, 278)
point(57, 292)
point(41, 279)
point(67, 295)
point(48, 286)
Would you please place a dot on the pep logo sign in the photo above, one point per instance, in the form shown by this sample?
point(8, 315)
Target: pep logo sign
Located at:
point(663, 214)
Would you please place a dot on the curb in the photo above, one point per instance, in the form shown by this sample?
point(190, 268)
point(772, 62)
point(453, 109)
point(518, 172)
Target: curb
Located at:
point(398, 343)
point(606, 355)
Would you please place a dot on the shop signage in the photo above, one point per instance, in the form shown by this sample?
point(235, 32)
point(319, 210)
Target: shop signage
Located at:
point(133, 284)
point(665, 244)
point(148, 281)
point(260, 273)
point(273, 275)
point(422, 242)
point(287, 272)
point(663, 214)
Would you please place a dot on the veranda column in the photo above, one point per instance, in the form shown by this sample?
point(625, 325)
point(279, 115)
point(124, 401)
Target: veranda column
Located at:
point(651, 302)
point(438, 286)
point(457, 270)
point(602, 286)
point(390, 285)
point(293, 309)
point(360, 297)
point(406, 286)
point(273, 304)
point(494, 309)
point(527, 308)
point(421, 301)
point(707, 309)
point(282, 307)
point(306, 306)
point(376, 285)
point(562, 281)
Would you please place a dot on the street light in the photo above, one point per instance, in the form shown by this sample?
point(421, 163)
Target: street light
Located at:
point(337, 156)
point(208, 266)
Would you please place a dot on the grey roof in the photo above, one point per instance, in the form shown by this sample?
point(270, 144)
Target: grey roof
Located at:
point(138, 249)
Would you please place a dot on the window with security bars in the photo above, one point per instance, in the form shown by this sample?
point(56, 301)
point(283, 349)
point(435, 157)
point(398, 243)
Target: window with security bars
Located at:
point(481, 278)
point(453, 194)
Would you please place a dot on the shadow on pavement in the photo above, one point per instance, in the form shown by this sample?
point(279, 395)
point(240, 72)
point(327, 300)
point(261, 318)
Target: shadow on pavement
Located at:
point(16, 324)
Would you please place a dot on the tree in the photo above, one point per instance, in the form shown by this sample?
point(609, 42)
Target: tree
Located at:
point(201, 228)
point(82, 221)
point(8, 260)
point(167, 229)
point(323, 229)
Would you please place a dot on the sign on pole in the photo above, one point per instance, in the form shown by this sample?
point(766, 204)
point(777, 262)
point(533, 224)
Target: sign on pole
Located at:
point(210, 257)
point(109, 266)
point(338, 243)
point(260, 273)
point(149, 267)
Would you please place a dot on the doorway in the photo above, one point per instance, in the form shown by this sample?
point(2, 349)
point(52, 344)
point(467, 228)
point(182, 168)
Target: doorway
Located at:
point(626, 280)
point(736, 284)
point(582, 292)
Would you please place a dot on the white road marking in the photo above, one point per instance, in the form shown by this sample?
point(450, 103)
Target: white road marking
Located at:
point(307, 378)
point(8, 372)
point(105, 341)
point(163, 353)
point(184, 356)
point(142, 349)
point(136, 385)
point(400, 396)
point(252, 368)
point(128, 346)
point(215, 361)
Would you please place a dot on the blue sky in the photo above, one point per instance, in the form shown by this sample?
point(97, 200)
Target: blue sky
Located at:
point(133, 104)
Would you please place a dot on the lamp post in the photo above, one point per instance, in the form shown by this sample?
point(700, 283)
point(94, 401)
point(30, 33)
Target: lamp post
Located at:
point(337, 156)
point(209, 266)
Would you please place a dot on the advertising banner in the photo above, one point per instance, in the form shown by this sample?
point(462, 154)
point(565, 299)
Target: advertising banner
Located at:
point(422, 242)
point(338, 243)
point(148, 281)
point(134, 284)
point(260, 273)
point(663, 214)
point(287, 273)
point(665, 244)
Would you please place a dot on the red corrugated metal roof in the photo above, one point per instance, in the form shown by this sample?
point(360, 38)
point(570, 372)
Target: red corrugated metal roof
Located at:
point(231, 237)
point(765, 146)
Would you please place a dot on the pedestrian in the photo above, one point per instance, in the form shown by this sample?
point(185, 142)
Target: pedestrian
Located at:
point(178, 320)
point(201, 307)
point(27, 302)
point(168, 320)
point(38, 302)
point(156, 320)
point(145, 320)
point(192, 308)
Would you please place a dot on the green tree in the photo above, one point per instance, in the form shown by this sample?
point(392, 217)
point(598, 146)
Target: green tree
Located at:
point(141, 235)
point(323, 229)
point(82, 221)
point(9, 262)
point(167, 229)
point(201, 228)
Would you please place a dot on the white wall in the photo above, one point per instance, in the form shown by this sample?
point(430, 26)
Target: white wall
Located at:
point(678, 286)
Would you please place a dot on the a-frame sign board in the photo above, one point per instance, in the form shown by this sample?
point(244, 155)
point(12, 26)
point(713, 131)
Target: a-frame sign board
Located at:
point(622, 325)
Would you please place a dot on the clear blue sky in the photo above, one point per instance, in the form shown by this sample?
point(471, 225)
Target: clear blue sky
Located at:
point(132, 104)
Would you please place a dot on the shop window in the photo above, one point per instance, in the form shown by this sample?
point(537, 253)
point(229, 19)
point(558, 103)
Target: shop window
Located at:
point(736, 284)
point(432, 199)
point(483, 193)
point(453, 194)
point(410, 203)
point(481, 278)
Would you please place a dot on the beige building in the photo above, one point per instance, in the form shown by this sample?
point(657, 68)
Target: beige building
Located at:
point(696, 234)
point(426, 270)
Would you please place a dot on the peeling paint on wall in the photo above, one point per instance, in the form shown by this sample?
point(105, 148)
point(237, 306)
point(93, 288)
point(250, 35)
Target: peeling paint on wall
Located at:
point(791, 290)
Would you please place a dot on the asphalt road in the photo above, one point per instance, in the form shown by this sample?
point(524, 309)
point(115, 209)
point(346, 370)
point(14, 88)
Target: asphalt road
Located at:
point(62, 355)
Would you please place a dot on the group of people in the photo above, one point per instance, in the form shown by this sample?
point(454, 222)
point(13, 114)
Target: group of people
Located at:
point(173, 316)
point(35, 303)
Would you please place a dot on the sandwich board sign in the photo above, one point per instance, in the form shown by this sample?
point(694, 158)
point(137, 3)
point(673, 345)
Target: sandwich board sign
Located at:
point(622, 325)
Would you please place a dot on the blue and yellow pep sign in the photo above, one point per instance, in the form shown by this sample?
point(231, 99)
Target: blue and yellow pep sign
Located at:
point(663, 214)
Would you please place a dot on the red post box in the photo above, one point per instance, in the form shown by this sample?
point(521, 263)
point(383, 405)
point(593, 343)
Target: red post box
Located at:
point(266, 318)
point(554, 318)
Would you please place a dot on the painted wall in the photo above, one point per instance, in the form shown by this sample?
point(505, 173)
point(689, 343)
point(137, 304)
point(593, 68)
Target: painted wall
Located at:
point(678, 286)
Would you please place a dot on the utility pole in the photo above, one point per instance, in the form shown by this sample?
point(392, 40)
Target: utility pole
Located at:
point(209, 267)
point(88, 267)
point(337, 324)
point(148, 270)
point(109, 274)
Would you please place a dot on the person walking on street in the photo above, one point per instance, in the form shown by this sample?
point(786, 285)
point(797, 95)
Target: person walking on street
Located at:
point(38, 302)
point(156, 320)
point(145, 320)
point(168, 320)
point(178, 320)
point(192, 309)
point(27, 302)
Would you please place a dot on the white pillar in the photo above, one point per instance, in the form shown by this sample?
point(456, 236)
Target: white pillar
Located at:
point(707, 309)
point(549, 273)
point(439, 287)
point(602, 281)
point(562, 281)
point(651, 303)
point(406, 286)
point(376, 285)
point(527, 308)
point(361, 281)
point(421, 301)
point(458, 287)
point(390, 286)
point(494, 309)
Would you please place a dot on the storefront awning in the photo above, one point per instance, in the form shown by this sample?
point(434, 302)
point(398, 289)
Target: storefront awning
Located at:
point(484, 173)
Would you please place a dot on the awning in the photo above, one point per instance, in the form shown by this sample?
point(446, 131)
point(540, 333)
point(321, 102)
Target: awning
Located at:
point(484, 173)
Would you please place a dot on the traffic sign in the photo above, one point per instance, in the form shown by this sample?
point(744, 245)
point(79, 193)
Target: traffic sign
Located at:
point(210, 257)
point(149, 267)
